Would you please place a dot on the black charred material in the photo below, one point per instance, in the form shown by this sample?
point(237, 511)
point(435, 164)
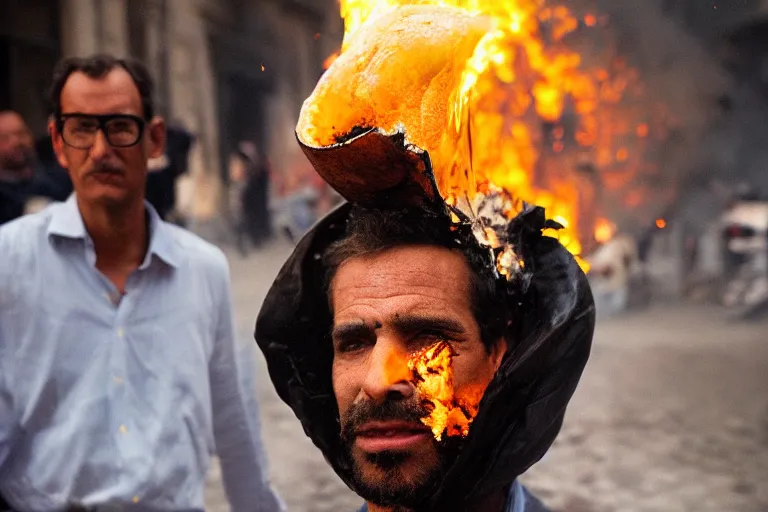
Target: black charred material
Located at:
point(354, 132)
point(372, 168)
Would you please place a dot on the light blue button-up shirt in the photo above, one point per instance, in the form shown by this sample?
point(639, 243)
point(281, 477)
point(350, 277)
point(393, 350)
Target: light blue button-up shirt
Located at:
point(518, 500)
point(120, 401)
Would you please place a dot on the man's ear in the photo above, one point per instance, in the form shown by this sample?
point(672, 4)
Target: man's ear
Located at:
point(157, 137)
point(498, 349)
point(58, 143)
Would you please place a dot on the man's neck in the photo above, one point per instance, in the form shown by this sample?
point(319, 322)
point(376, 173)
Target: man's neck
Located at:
point(492, 503)
point(120, 237)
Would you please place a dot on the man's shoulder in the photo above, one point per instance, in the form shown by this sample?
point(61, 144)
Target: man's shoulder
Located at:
point(197, 253)
point(17, 234)
point(22, 250)
point(531, 503)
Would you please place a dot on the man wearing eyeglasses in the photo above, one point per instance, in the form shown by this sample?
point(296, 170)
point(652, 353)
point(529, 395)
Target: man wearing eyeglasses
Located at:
point(119, 371)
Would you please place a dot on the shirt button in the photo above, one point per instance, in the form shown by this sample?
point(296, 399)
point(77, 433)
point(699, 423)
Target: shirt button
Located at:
point(123, 429)
point(135, 499)
point(120, 332)
point(117, 380)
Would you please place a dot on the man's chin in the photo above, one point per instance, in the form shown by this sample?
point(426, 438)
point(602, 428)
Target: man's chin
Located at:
point(16, 165)
point(397, 478)
point(107, 195)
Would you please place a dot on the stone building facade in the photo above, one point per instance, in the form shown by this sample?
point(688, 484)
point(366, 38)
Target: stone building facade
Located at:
point(227, 70)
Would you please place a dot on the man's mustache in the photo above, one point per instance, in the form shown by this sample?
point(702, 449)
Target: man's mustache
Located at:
point(392, 410)
point(106, 167)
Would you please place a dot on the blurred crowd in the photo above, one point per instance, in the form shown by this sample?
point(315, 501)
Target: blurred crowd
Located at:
point(720, 258)
point(264, 204)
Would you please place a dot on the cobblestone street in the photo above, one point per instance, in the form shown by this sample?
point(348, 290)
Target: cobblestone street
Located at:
point(671, 415)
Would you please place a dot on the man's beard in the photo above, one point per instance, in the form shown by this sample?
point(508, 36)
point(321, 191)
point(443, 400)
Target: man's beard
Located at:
point(391, 490)
point(24, 161)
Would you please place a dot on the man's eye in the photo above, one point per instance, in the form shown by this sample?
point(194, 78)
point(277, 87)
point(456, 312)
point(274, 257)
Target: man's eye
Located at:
point(350, 346)
point(429, 337)
point(85, 128)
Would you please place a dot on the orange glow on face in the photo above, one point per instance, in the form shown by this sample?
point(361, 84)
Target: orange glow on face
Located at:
point(452, 413)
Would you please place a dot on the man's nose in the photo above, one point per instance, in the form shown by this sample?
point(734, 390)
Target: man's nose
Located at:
point(14, 140)
point(100, 147)
point(388, 376)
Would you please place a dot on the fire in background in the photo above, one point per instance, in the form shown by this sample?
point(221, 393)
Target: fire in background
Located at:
point(545, 108)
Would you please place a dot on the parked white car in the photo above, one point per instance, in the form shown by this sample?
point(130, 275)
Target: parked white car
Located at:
point(745, 241)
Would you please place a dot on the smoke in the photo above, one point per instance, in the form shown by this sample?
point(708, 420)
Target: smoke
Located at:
point(736, 144)
point(677, 68)
point(682, 77)
point(720, 131)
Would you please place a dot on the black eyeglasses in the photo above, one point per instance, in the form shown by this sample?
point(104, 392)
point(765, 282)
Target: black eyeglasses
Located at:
point(120, 130)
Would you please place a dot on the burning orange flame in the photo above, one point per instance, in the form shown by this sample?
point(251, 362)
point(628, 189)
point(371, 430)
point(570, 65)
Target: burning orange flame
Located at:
point(518, 76)
point(433, 373)
point(604, 230)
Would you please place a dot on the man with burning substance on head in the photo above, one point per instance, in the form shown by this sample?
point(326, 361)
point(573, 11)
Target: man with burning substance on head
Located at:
point(428, 381)
point(428, 342)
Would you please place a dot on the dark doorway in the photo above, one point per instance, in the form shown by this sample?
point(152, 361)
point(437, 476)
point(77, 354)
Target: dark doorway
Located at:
point(241, 89)
point(29, 49)
point(243, 116)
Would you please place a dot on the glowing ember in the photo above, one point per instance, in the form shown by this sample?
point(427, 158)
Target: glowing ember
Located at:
point(330, 60)
point(433, 373)
point(507, 263)
point(494, 92)
point(661, 223)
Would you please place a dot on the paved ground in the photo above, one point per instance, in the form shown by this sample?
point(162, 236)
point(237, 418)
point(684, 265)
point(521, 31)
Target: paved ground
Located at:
point(671, 415)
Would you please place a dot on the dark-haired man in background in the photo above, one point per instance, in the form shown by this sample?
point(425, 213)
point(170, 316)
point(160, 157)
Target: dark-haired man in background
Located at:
point(118, 362)
point(23, 181)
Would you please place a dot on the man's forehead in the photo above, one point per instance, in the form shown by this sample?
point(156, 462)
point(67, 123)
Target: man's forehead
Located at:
point(11, 121)
point(113, 93)
point(409, 263)
point(402, 281)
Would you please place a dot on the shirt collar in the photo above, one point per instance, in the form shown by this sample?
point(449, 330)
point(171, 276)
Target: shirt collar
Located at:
point(67, 222)
point(516, 498)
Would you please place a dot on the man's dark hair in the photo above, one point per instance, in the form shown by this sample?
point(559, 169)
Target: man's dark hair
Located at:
point(98, 66)
point(370, 231)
